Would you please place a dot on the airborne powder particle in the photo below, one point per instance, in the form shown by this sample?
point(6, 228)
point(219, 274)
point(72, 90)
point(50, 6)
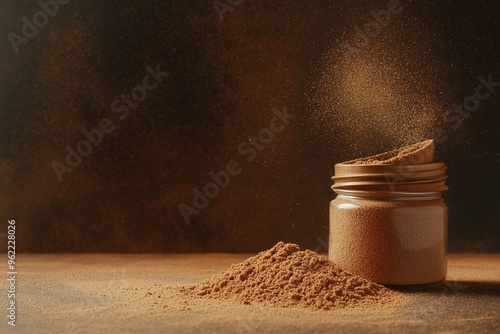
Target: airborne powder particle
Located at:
point(285, 276)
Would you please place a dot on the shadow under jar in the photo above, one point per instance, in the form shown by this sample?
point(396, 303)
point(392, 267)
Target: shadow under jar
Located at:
point(388, 223)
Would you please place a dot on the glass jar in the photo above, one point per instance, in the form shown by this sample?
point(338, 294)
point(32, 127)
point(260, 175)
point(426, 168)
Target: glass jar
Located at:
point(387, 227)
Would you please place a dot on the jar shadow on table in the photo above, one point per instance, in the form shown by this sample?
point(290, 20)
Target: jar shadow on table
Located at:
point(453, 287)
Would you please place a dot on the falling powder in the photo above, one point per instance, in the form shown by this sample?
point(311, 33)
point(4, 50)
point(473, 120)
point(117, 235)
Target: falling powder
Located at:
point(285, 276)
point(387, 94)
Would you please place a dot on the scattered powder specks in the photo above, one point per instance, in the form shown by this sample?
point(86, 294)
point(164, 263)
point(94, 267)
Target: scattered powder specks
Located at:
point(388, 93)
point(285, 276)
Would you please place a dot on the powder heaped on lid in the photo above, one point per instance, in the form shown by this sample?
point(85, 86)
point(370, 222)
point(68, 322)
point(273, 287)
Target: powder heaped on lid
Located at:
point(419, 153)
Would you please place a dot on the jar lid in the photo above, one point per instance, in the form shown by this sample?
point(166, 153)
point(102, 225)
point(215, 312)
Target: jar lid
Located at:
point(408, 178)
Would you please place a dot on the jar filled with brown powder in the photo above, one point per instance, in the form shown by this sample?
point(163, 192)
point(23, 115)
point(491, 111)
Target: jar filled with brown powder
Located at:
point(388, 222)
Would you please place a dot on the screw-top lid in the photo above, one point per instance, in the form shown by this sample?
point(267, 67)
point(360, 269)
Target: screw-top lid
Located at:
point(408, 178)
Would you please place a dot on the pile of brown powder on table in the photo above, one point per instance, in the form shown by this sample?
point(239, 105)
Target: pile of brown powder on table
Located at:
point(286, 276)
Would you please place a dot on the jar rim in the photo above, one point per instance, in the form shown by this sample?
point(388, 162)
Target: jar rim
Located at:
point(387, 194)
point(346, 170)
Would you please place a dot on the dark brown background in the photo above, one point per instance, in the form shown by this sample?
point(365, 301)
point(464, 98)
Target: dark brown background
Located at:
point(225, 79)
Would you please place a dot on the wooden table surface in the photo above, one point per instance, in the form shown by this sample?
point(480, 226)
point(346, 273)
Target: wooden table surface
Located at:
point(118, 293)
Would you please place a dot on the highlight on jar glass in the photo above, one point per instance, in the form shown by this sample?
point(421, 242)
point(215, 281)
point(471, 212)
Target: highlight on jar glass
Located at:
point(388, 222)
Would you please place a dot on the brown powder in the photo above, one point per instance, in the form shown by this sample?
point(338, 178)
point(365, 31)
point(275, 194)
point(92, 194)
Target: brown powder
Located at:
point(419, 153)
point(288, 277)
point(390, 241)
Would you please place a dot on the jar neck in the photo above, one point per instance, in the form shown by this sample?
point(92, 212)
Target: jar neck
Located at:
point(387, 195)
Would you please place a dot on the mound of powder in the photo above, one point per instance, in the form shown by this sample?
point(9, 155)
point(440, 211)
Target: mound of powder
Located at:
point(419, 153)
point(286, 276)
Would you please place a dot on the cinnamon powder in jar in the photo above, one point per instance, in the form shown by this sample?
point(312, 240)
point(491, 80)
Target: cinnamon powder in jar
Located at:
point(388, 222)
